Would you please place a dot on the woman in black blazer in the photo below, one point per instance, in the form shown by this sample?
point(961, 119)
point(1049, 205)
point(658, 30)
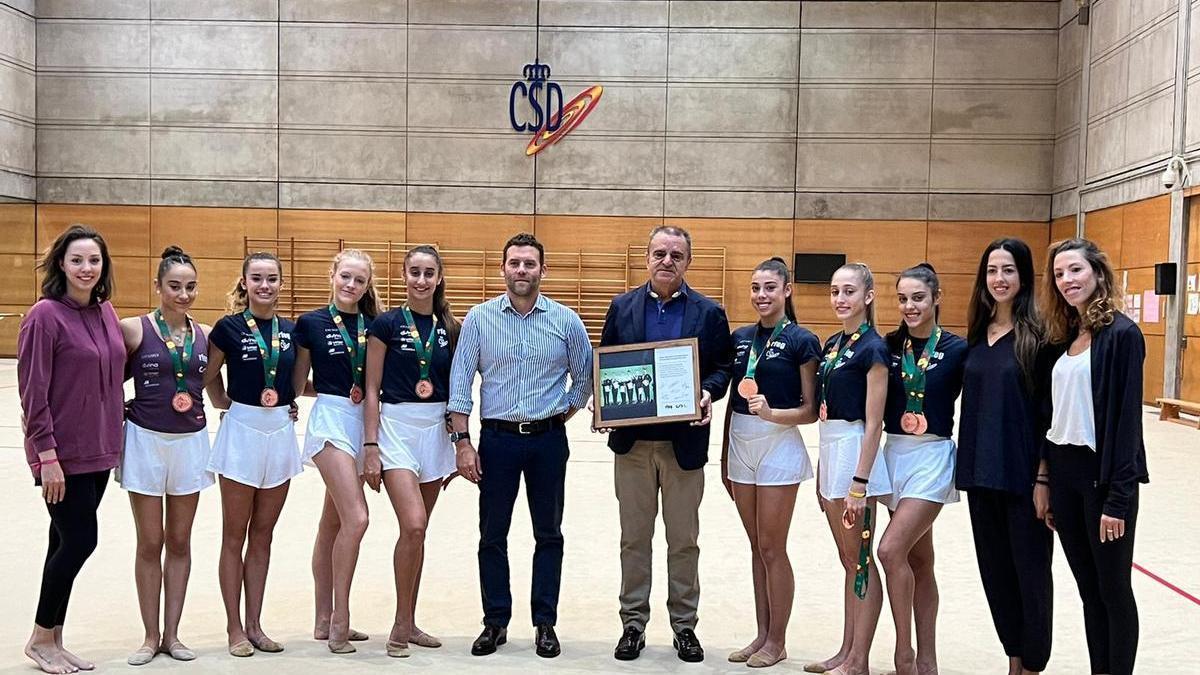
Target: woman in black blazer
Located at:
point(1094, 449)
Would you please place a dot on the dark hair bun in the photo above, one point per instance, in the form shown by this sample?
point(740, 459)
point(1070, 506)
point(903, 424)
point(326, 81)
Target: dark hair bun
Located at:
point(927, 266)
point(173, 252)
point(779, 260)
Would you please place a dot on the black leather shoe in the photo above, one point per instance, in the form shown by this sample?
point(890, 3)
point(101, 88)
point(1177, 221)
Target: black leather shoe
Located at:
point(687, 646)
point(488, 640)
point(631, 644)
point(546, 642)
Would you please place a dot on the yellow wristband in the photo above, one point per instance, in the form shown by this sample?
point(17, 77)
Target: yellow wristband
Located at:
point(858, 495)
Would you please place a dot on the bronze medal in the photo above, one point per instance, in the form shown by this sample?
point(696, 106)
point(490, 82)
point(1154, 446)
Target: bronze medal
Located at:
point(356, 394)
point(909, 423)
point(824, 412)
point(424, 389)
point(747, 388)
point(922, 424)
point(269, 397)
point(181, 402)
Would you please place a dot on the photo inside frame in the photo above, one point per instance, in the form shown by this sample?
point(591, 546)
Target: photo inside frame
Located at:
point(627, 385)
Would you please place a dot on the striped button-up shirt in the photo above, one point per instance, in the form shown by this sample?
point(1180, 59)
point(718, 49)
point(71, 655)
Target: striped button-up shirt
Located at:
point(524, 361)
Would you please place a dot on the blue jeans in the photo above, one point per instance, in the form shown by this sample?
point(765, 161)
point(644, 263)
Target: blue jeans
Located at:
point(504, 456)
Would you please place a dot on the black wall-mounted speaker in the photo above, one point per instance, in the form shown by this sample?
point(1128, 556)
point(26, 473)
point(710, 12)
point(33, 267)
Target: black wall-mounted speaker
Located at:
point(1164, 278)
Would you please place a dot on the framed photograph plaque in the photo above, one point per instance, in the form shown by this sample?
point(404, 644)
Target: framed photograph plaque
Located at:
point(646, 383)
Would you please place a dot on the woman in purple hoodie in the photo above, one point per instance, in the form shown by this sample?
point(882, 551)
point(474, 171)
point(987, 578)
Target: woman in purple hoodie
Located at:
point(70, 366)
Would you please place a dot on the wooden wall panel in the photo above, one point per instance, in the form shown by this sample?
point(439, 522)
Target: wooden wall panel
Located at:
point(592, 233)
point(1062, 228)
point(1105, 227)
point(125, 228)
point(360, 226)
point(207, 316)
point(18, 225)
point(1191, 370)
point(1194, 230)
point(1146, 233)
point(747, 242)
point(812, 304)
point(956, 296)
point(955, 247)
point(215, 276)
point(9, 327)
point(133, 280)
point(19, 281)
point(1152, 373)
point(210, 232)
point(887, 246)
point(466, 230)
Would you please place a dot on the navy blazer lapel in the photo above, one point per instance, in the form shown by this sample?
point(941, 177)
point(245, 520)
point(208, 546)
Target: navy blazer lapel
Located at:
point(639, 314)
point(691, 316)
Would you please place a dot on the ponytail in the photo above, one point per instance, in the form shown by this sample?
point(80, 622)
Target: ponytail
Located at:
point(237, 299)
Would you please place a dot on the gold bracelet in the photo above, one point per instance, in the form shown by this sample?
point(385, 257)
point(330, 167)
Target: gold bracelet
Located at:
point(858, 495)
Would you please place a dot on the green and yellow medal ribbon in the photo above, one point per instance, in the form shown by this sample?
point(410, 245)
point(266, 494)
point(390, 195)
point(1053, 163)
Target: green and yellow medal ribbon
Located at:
point(270, 354)
point(424, 349)
point(356, 348)
point(862, 574)
point(913, 371)
point(179, 360)
point(756, 352)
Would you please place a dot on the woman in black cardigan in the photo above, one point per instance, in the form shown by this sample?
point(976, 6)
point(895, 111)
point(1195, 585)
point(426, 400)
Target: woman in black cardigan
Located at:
point(1094, 449)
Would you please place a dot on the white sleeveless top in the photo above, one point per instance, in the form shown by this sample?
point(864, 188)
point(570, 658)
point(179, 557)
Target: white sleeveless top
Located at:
point(1074, 420)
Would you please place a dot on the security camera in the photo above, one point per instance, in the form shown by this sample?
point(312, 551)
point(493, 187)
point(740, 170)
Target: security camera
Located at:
point(1170, 177)
point(1176, 173)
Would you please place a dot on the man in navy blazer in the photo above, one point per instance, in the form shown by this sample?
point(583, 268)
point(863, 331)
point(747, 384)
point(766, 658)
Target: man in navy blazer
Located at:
point(669, 457)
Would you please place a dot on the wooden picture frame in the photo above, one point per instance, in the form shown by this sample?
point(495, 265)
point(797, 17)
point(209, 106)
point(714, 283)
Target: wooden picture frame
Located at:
point(646, 383)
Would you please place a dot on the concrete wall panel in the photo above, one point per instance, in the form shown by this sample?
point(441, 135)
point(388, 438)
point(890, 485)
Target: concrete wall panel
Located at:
point(473, 12)
point(718, 14)
point(879, 109)
point(732, 109)
point(364, 11)
point(186, 46)
point(857, 55)
point(351, 50)
point(999, 111)
point(591, 54)
point(93, 151)
point(214, 154)
point(333, 156)
point(575, 201)
point(468, 160)
point(998, 167)
point(342, 196)
point(1022, 56)
point(860, 165)
point(727, 54)
point(616, 13)
point(226, 100)
point(866, 14)
point(599, 162)
point(471, 52)
point(247, 10)
point(82, 46)
point(715, 164)
point(93, 9)
point(105, 99)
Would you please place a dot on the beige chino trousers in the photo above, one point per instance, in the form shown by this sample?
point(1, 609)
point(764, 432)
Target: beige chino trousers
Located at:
point(648, 468)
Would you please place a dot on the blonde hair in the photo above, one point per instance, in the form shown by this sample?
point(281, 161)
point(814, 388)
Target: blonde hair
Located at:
point(369, 303)
point(868, 282)
point(1062, 321)
point(237, 300)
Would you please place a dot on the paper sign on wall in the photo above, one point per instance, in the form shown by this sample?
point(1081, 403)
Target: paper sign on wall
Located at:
point(1193, 306)
point(1150, 307)
point(1192, 282)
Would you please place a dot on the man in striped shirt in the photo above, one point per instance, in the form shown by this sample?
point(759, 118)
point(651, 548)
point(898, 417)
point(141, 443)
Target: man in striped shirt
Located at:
point(524, 345)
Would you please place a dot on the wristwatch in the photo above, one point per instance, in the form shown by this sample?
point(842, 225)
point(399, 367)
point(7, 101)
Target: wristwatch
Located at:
point(456, 436)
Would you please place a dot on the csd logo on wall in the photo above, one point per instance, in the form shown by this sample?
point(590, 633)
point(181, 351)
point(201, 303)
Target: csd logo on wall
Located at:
point(551, 118)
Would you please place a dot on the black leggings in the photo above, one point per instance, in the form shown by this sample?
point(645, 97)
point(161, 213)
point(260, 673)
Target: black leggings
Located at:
point(73, 535)
point(1102, 570)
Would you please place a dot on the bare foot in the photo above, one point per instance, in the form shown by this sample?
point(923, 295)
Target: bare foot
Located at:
point(49, 657)
point(71, 658)
point(79, 663)
point(926, 667)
